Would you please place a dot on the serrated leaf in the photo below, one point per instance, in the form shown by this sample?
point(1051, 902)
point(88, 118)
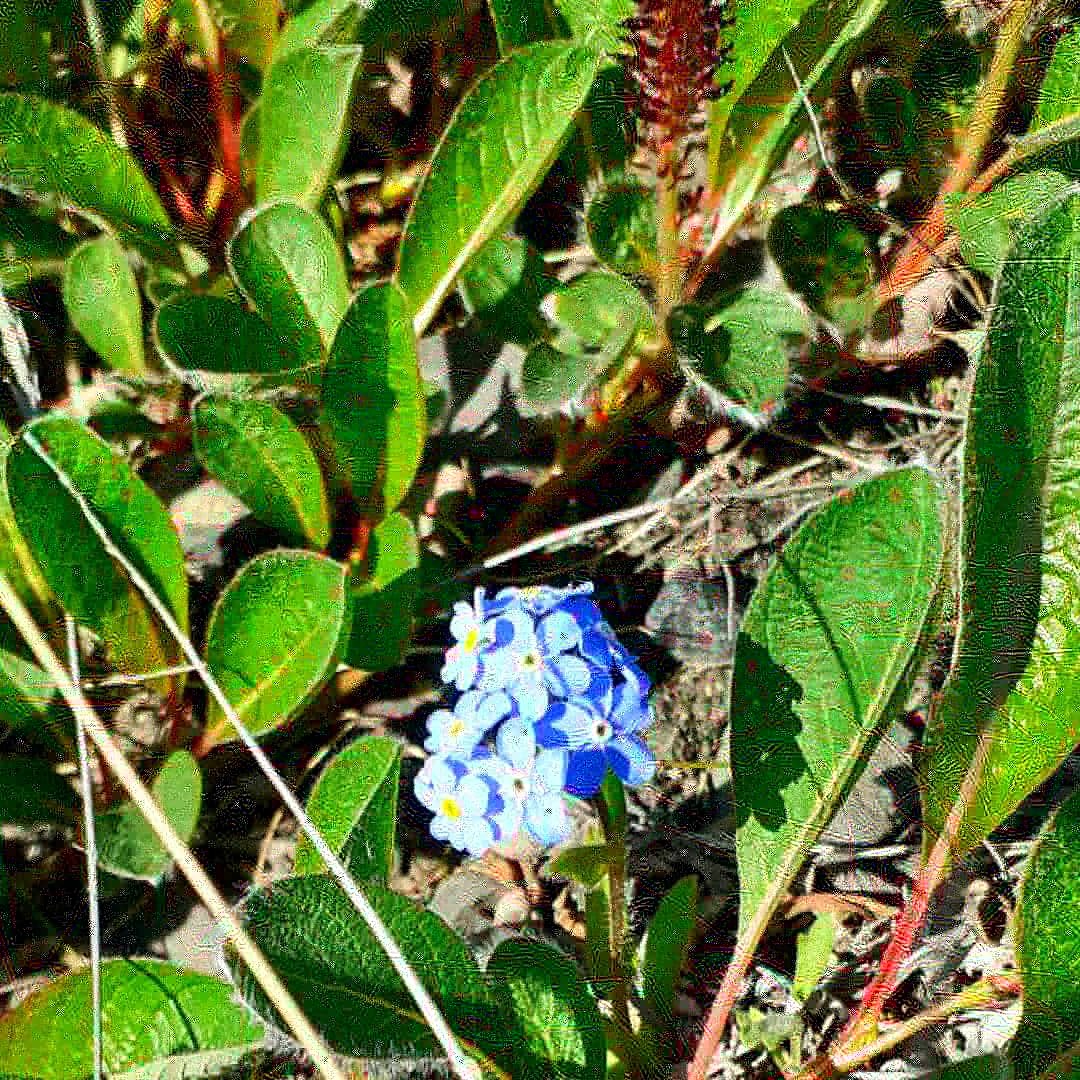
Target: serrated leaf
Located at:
point(620, 222)
point(354, 807)
point(128, 846)
point(584, 863)
point(1014, 688)
point(32, 794)
point(102, 299)
point(748, 138)
point(31, 247)
point(156, 1017)
point(87, 581)
point(500, 142)
point(1047, 946)
point(823, 649)
point(503, 287)
point(665, 951)
point(563, 1031)
point(53, 151)
point(289, 266)
point(989, 224)
point(213, 334)
point(383, 599)
point(372, 398)
point(303, 121)
point(341, 978)
point(272, 637)
point(813, 954)
point(262, 458)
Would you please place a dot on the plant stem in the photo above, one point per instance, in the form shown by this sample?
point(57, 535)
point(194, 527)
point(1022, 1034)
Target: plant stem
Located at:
point(613, 812)
point(915, 256)
point(669, 268)
point(96, 36)
point(181, 854)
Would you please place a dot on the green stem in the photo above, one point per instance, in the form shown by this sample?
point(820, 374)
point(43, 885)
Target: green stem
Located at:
point(669, 269)
point(613, 814)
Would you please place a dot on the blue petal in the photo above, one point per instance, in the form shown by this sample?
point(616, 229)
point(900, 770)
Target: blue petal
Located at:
point(629, 711)
point(585, 771)
point(549, 732)
point(630, 760)
point(463, 620)
point(567, 675)
point(577, 724)
point(530, 697)
point(474, 795)
point(583, 610)
point(596, 648)
point(558, 633)
point(516, 743)
point(515, 627)
point(491, 709)
point(547, 820)
point(476, 835)
point(549, 772)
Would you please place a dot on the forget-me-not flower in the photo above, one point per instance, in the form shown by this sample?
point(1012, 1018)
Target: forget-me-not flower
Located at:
point(465, 801)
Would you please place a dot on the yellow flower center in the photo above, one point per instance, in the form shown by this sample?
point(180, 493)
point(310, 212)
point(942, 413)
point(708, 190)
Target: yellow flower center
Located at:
point(457, 728)
point(449, 808)
point(471, 640)
point(530, 661)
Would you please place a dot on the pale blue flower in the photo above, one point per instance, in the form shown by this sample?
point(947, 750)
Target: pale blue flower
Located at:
point(473, 716)
point(465, 801)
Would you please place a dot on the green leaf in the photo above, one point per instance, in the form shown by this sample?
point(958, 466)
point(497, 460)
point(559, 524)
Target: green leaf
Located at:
point(984, 1067)
point(586, 864)
point(597, 23)
point(823, 650)
point(289, 266)
point(260, 455)
point(341, 978)
point(249, 26)
point(272, 637)
point(989, 224)
point(127, 846)
point(563, 1031)
point(747, 144)
point(1047, 946)
point(102, 299)
point(303, 121)
point(665, 951)
point(825, 258)
point(53, 151)
point(549, 378)
point(372, 398)
point(504, 285)
point(31, 247)
point(1014, 688)
point(383, 599)
point(212, 334)
point(500, 142)
point(597, 312)
point(1059, 95)
point(813, 954)
point(32, 794)
point(158, 1019)
point(87, 581)
point(354, 806)
point(24, 47)
point(620, 221)
point(519, 22)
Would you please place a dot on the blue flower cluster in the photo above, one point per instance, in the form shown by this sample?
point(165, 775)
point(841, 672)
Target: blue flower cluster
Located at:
point(548, 701)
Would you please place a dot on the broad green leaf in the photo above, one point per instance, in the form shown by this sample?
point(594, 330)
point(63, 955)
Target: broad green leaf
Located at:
point(823, 650)
point(760, 29)
point(620, 221)
point(1047, 946)
point(354, 806)
point(989, 224)
point(1014, 688)
point(272, 637)
point(159, 1021)
point(744, 149)
point(813, 954)
point(550, 378)
point(31, 247)
point(303, 123)
point(32, 794)
point(53, 151)
point(825, 258)
point(665, 951)
point(500, 142)
point(260, 455)
point(210, 333)
point(24, 48)
point(289, 266)
point(503, 287)
point(341, 978)
point(585, 863)
point(563, 1031)
point(1059, 95)
point(87, 581)
point(597, 312)
point(519, 22)
point(377, 25)
point(372, 398)
point(597, 23)
point(102, 299)
point(383, 599)
point(127, 846)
